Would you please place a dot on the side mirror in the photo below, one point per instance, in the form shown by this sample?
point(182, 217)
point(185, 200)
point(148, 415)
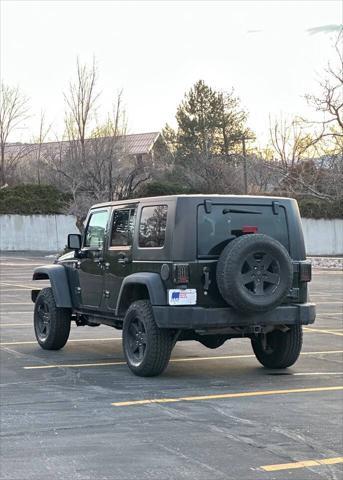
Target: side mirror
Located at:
point(74, 241)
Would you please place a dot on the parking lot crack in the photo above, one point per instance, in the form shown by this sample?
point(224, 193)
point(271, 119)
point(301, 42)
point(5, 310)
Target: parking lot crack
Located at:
point(315, 448)
point(193, 460)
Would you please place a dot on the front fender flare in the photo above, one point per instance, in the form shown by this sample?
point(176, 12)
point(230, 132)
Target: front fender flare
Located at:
point(59, 283)
point(152, 281)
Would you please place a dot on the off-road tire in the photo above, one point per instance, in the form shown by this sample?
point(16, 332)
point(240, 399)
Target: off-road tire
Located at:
point(158, 342)
point(284, 347)
point(230, 273)
point(57, 321)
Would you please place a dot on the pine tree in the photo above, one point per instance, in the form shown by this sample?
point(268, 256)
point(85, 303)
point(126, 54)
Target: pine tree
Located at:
point(209, 124)
point(198, 122)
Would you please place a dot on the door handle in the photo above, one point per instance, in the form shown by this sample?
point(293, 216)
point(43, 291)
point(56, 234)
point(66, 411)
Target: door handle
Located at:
point(123, 260)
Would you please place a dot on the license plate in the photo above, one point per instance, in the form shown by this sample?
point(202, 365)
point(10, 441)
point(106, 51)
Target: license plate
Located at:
point(182, 297)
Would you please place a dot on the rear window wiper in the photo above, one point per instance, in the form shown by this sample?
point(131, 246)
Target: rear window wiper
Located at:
point(235, 210)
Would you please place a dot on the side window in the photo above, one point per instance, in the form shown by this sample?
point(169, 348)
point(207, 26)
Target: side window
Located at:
point(122, 227)
point(152, 226)
point(95, 233)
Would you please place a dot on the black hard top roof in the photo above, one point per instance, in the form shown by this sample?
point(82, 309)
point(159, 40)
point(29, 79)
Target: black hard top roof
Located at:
point(197, 197)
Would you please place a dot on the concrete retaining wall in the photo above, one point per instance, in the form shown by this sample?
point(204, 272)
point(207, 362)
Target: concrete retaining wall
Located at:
point(35, 232)
point(49, 233)
point(323, 237)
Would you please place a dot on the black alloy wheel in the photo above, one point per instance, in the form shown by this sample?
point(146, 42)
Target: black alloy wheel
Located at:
point(51, 323)
point(43, 321)
point(280, 348)
point(136, 341)
point(147, 347)
point(260, 273)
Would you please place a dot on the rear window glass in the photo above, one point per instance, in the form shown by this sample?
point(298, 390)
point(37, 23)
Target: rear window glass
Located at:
point(152, 226)
point(122, 227)
point(217, 228)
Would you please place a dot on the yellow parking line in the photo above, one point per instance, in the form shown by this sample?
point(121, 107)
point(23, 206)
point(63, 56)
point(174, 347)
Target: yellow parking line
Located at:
point(73, 365)
point(225, 395)
point(329, 329)
point(26, 264)
point(74, 340)
point(173, 360)
point(309, 374)
point(317, 330)
point(16, 324)
point(17, 303)
point(4, 291)
point(302, 464)
point(324, 271)
point(322, 352)
point(29, 287)
point(324, 330)
point(329, 303)
point(16, 312)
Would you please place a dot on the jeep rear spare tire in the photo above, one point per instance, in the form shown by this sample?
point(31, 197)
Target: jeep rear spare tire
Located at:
point(254, 273)
point(147, 347)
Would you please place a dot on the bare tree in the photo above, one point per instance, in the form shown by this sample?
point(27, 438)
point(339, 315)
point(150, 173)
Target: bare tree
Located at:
point(109, 140)
point(216, 176)
point(13, 110)
point(291, 141)
point(296, 154)
point(261, 177)
point(115, 174)
point(39, 145)
point(96, 167)
point(80, 101)
point(330, 101)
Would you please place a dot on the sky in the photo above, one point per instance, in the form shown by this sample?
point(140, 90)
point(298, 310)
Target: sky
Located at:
point(271, 52)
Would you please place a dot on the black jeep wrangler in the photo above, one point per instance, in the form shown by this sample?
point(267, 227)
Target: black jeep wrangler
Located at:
point(187, 267)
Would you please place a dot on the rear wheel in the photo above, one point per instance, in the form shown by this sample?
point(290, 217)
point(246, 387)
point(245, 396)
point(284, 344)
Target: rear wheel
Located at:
point(147, 347)
point(51, 323)
point(278, 349)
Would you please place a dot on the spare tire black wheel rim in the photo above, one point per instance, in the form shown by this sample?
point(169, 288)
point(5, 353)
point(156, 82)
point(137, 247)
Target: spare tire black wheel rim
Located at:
point(44, 320)
point(136, 341)
point(260, 274)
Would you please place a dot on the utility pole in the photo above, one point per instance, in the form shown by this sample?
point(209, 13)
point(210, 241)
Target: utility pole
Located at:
point(245, 166)
point(245, 162)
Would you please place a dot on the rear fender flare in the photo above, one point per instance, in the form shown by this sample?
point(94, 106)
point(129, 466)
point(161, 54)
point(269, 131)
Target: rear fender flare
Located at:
point(59, 283)
point(153, 283)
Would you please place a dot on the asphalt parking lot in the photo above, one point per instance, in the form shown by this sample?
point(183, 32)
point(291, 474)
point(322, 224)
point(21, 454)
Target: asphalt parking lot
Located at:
point(79, 413)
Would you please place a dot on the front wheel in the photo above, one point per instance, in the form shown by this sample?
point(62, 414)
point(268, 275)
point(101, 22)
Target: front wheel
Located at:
point(278, 349)
point(51, 323)
point(147, 347)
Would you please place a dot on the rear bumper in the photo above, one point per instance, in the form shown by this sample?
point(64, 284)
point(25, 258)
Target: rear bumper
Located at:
point(193, 317)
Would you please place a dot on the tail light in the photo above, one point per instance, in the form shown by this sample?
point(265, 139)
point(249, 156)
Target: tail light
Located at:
point(305, 271)
point(244, 230)
point(249, 229)
point(181, 273)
